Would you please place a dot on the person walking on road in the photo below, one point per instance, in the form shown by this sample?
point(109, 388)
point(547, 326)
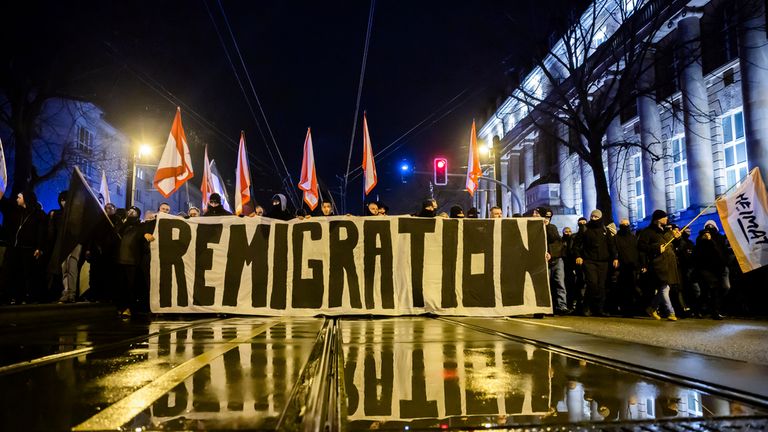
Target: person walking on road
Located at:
point(655, 244)
point(596, 253)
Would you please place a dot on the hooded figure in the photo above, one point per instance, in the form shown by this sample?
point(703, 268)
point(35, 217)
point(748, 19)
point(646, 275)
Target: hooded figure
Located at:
point(27, 228)
point(215, 208)
point(457, 212)
point(278, 209)
point(427, 209)
point(472, 213)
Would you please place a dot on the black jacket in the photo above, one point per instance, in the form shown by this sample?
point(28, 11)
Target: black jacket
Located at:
point(710, 255)
point(27, 227)
point(217, 211)
point(554, 242)
point(663, 266)
point(626, 246)
point(596, 243)
point(132, 241)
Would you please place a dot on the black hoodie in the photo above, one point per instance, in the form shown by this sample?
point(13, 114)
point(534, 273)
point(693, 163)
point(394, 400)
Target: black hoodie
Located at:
point(27, 226)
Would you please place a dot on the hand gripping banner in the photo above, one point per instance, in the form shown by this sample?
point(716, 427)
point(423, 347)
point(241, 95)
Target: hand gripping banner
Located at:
point(344, 265)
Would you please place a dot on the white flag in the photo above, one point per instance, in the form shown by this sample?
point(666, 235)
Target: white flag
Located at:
point(217, 186)
point(744, 214)
point(104, 189)
point(3, 171)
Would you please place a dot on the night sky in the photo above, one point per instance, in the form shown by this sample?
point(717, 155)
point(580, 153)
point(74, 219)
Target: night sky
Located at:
point(433, 63)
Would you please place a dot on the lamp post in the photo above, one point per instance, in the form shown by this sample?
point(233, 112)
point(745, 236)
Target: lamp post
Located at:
point(496, 152)
point(137, 152)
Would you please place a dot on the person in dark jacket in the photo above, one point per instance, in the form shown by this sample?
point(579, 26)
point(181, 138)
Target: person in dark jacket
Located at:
point(128, 257)
point(687, 291)
point(55, 220)
point(27, 227)
point(555, 255)
point(427, 209)
point(472, 213)
point(456, 212)
point(596, 252)
point(629, 265)
point(577, 295)
point(655, 246)
point(279, 208)
point(215, 208)
point(710, 258)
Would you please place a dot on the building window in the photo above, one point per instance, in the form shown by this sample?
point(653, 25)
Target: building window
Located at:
point(680, 172)
point(84, 139)
point(637, 171)
point(735, 147)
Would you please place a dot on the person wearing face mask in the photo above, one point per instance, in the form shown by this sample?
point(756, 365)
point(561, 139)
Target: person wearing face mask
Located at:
point(128, 259)
point(456, 212)
point(27, 227)
point(472, 213)
point(596, 253)
point(688, 290)
point(577, 297)
point(710, 258)
point(427, 209)
point(629, 266)
point(654, 244)
point(555, 255)
point(279, 208)
point(569, 264)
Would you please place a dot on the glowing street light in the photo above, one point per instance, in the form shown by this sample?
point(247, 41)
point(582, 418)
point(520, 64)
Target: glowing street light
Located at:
point(145, 150)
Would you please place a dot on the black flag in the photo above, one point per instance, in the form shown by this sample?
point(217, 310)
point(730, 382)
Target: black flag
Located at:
point(84, 222)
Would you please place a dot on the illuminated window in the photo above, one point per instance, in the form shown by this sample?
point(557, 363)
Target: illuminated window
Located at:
point(735, 147)
point(637, 176)
point(680, 171)
point(84, 139)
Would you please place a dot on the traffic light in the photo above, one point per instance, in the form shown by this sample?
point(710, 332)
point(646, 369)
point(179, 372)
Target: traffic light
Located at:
point(441, 171)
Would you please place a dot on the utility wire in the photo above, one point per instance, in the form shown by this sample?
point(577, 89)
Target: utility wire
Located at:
point(359, 94)
point(258, 102)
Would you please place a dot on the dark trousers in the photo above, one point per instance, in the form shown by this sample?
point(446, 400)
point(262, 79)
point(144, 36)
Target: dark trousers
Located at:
point(595, 276)
point(125, 297)
point(711, 290)
point(23, 273)
point(627, 290)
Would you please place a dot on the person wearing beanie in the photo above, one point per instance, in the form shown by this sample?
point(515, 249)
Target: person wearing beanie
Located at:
point(555, 255)
point(596, 253)
point(456, 212)
point(710, 256)
point(215, 208)
point(656, 250)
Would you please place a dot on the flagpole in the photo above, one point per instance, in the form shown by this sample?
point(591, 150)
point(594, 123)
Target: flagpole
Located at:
point(710, 206)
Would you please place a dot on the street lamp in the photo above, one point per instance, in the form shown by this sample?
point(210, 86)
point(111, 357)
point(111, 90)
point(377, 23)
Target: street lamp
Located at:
point(140, 151)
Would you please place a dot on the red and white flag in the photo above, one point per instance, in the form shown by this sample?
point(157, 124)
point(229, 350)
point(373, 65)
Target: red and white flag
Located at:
point(205, 187)
point(243, 178)
point(369, 167)
point(473, 165)
point(175, 165)
point(308, 182)
point(3, 172)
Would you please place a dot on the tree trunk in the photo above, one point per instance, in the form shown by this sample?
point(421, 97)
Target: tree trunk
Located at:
point(601, 183)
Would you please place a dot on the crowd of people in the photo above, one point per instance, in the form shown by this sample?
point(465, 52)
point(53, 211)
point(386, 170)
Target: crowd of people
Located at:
point(596, 270)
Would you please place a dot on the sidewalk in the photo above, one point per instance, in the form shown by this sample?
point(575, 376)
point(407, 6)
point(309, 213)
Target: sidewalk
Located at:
point(47, 313)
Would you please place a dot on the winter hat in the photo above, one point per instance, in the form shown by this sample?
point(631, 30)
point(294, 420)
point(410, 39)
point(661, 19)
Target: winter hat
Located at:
point(710, 223)
point(596, 213)
point(215, 198)
point(658, 214)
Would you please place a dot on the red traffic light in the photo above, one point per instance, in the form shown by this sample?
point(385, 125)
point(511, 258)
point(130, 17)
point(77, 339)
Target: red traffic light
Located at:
point(441, 171)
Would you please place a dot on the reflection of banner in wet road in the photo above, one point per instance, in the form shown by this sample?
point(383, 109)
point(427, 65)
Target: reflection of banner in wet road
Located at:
point(350, 265)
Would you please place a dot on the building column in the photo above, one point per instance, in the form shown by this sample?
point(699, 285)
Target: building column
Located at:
point(483, 190)
point(506, 208)
point(617, 174)
point(513, 180)
point(565, 172)
point(588, 193)
point(650, 138)
point(527, 164)
point(696, 111)
point(753, 60)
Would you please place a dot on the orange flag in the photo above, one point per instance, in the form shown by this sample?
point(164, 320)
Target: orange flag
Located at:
point(243, 179)
point(308, 182)
point(369, 167)
point(175, 165)
point(473, 166)
point(205, 186)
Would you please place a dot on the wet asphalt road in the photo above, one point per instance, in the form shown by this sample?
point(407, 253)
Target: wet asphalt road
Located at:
point(357, 374)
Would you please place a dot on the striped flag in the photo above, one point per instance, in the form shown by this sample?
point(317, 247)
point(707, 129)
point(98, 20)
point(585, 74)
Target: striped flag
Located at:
point(473, 165)
point(308, 182)
point(205, 186)
point(175, 165)
point(217, 186)
point(744, 214)
point(369, 167)
point(103, 188)
point(3, 172)
point(242, 178)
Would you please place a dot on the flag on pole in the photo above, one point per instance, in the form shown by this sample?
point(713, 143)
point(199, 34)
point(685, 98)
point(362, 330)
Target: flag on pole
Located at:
point(369, 167)
point(217, 186)
point(205, 185)
point(175, 165)
point(744, 215)
point(473, 165)
point(103, 188)
point(3, 172)
point(243, 178)
point(308, 182)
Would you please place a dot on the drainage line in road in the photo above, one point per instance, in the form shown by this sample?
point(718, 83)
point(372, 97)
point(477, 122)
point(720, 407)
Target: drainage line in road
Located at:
point(618, 364)
point(40, 361)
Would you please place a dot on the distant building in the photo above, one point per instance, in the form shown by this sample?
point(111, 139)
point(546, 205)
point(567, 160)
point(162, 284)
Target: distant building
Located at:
point(702, 159)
